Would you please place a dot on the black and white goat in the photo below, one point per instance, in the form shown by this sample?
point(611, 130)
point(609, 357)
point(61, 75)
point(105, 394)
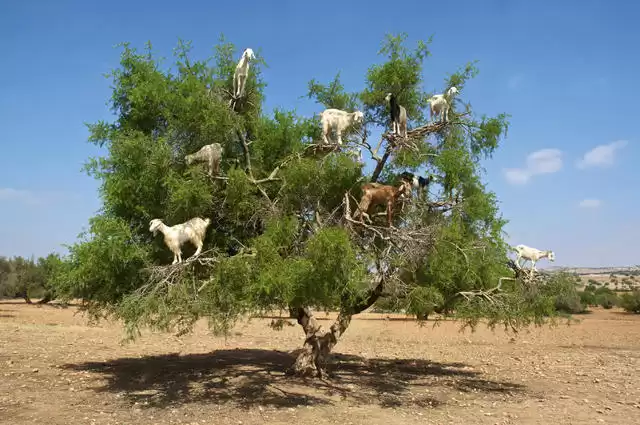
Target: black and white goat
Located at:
point(398, 115)
point(418, 182)
point(175, 236)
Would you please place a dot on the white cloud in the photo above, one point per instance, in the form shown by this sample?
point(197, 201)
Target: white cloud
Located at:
point(544, 161)
point(590, 203)
point(515, 81)
point(517, 175)
point(601, 155)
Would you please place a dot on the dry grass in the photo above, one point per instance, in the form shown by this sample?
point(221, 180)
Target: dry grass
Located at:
point(55, 369)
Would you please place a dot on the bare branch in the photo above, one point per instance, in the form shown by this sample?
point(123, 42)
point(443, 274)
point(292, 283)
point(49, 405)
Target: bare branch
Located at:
point(489, 295)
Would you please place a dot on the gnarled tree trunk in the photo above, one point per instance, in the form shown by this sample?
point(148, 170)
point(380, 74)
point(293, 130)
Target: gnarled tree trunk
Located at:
point(24, 293)
point(319, 342)
point(48, 297)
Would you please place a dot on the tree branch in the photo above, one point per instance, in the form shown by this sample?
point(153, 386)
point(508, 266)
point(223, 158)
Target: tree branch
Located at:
point(366, 300)
point(245, 150)
point(380, 164)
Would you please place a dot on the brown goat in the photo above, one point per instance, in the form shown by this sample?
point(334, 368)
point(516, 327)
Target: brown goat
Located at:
point(378, 194)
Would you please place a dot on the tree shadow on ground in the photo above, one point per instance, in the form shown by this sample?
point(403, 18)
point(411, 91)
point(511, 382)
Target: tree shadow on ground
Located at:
point(250, 377)
point(380, 317)
point(34, 303)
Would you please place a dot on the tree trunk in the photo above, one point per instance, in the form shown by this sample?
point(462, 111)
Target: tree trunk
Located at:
point(48, 297)
point(312, 360)
point(380, 165)
point(25, 295)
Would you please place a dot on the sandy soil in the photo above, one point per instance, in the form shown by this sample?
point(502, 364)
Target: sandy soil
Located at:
point(55, 369)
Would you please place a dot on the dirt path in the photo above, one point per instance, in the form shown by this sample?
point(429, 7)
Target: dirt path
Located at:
point(55, 369)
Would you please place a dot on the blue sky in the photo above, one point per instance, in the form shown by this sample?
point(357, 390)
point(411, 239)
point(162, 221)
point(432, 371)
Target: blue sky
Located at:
point(566, 176)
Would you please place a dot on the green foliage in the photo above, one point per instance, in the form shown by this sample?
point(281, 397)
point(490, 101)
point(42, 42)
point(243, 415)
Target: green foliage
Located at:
point(401, 75)
point(588, 298)
point(423, 301)
point(608, 301)
point(631, 302)
point(562, 288)
point(29, 278)
point(107, 264)
point(278, 238)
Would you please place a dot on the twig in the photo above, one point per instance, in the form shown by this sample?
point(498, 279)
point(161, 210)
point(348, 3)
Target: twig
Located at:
point(486, 294)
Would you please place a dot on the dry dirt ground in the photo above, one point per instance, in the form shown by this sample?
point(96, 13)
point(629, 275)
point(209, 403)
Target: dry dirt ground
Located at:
point(55, 369)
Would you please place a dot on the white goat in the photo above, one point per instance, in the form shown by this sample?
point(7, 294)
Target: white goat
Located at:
point(210, 154)
point(356, 153)
point(439, 105)
point(398, 116)
point(533, 255)
point(175, 236)
point(338, 120)
point(241, 73)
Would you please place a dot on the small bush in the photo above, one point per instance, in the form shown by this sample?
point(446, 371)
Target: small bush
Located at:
point(562, 286)
point(608, 300)
point(631, 302)
point(588, 298)
point(569, 303)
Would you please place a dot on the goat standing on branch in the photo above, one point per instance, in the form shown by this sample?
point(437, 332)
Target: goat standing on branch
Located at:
point(338, 120)
point(398, 116)
point(175, 236)
point(533, 255)
point(379, 194)
point(440, 104)
point(241, 73)
point(419, 182)
point(210, 154)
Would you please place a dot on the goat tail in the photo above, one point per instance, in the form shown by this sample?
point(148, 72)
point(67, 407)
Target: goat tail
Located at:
point(515, 248)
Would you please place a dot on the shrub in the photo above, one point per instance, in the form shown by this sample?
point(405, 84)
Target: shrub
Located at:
point(588, 298)
point(562, 287)
point(608, 300)
point(631, 302)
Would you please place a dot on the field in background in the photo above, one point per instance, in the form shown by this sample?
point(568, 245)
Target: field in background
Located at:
point(55, 369)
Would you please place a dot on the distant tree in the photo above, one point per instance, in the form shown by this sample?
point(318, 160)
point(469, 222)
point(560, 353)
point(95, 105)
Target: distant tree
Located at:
point(52, 269)
point(29, 278)
point(282, 236)
point(588, 298)
point(24, 279)
point(591, 287)
point(606, 298)
point(631, 302)
point(562, 287)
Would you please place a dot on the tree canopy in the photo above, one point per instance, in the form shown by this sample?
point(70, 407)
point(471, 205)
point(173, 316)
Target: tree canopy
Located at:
point(31, 278)
point(281, 234)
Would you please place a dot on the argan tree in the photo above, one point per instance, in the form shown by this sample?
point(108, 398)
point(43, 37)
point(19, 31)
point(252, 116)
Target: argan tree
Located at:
point(282, 234)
